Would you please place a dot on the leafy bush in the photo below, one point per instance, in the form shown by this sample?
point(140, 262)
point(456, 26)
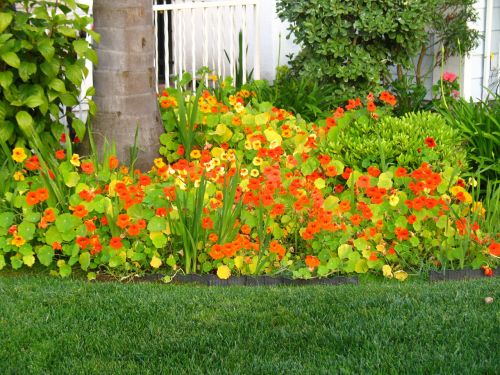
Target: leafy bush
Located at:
point(42, 65)
point(351, 44)
point(407, 141)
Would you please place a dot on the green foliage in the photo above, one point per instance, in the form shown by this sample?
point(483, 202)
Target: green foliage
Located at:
point(351, 44)
point(301, 95)
point(42, 66)
point(479, 124)
point(360, 141)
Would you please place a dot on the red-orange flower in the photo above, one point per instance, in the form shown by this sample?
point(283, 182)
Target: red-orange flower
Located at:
point(60, 154)
point(373, 171)
point(32, 198)
point(401, 233)
point(216, 252)
point(80, 211)
point(87, 167)
point(430, 142)
point(312, 262)
point(213, 237)
point(32, 163)
point(42, 194)
point(494, 249)
point(116, 243)
point(113, 162)
point(371, 107)
point(400, 172)
point(133, 230)
point(123, 221)
point(207, 223)
point(49, 215)
point(82, 242)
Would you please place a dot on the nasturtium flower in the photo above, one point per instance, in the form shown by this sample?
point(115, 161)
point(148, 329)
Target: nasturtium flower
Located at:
point(195, 154)
point(400, 275)
point(113, 162)
point(18, 176)
point(60, 154)
point(387, 271)
point(393, 200)
point(223, 272)
point(32, 198)
point(80, 211)
point(116, 243)
point(19, 155)
point(123, 221)
point(88, 167)
point(18, 241)
point(42, 194)
point(494, 249)
point(155, 262)
point(312, 262)
point(430, 142)
point(75, 160)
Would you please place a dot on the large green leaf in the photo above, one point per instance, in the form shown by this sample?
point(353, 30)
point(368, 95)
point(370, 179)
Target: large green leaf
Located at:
point(11, 59)
point(84, 260)
point(57, 85)
point(6, 219)
point(26, 230)
point(81, 46)
point(46, 49)
point(6, 79)
point(5, 20)
point(66, 223)
point(74, 74)
point(26, 69)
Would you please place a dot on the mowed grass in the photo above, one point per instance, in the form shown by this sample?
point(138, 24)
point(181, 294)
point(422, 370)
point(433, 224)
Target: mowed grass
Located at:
point(51, 326)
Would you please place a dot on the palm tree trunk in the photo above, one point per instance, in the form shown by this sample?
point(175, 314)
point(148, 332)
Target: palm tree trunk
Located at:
point(125, 80)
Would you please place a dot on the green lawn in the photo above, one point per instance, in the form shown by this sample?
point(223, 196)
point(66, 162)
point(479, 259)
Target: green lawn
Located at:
point(71, 327)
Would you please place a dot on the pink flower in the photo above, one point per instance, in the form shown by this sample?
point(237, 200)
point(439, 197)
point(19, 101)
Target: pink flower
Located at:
point(449, 77)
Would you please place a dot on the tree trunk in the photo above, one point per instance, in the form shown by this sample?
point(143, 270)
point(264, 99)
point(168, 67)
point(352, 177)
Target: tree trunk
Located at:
point(125, 80)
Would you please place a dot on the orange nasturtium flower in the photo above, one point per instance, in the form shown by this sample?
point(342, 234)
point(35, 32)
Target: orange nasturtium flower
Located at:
point(49, 215)
point(60, 154)
point(123, 221)
point(312, 262)
point(116, 243)
point(80, 211)
point(113, 162)
point(88, 167)
point(133, 230)
point(32, 198)
point(18, 241)
point(42, 194)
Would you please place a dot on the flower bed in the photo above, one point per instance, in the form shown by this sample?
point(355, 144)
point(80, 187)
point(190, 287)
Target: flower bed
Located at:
point(244, 189)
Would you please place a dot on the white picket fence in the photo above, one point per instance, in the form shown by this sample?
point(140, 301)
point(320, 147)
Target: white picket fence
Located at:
point(206, 34)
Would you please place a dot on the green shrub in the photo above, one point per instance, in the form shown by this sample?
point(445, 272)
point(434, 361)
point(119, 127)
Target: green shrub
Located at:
point(42, 65)
point(351, 44)
point(362, 142)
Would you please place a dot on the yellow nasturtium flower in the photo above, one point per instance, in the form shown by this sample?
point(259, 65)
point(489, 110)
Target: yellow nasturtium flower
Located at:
point(18, 241)
point(223, 272)
point(19, 155)
point(155, 262)
point(18, 176)
point(400, 275)
point(387, 271)
point(75, 160)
